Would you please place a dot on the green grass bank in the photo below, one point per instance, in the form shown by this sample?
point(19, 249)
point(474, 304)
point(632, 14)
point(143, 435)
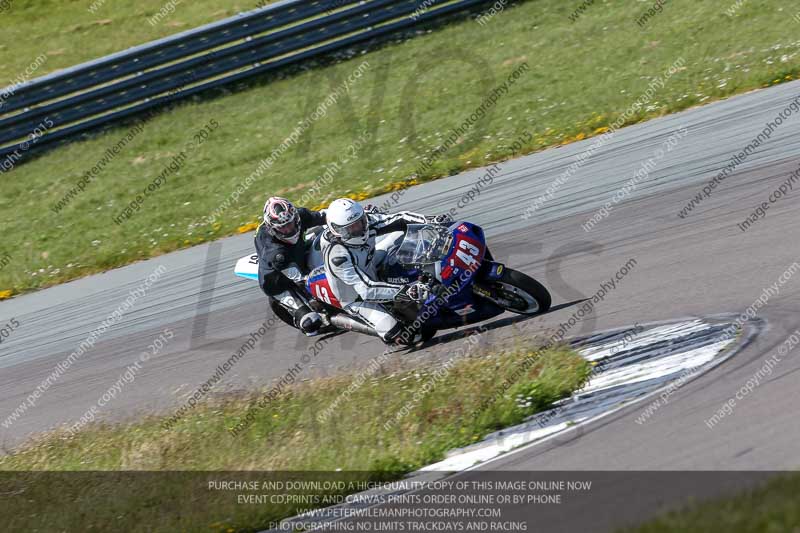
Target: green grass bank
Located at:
point(574, 78)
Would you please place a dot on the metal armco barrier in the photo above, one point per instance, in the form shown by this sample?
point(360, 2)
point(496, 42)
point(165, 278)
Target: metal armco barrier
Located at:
point(145, 77)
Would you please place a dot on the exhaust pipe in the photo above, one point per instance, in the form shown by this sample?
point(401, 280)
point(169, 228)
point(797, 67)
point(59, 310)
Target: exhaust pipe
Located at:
point(347, 323)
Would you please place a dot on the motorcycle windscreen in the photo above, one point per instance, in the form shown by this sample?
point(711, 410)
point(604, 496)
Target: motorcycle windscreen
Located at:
point(424, 244)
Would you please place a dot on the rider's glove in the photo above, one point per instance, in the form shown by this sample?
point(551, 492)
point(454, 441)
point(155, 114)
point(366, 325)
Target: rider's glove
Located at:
point(441, 220)
point(417, 292)
point(373, 209)
point(438, 290)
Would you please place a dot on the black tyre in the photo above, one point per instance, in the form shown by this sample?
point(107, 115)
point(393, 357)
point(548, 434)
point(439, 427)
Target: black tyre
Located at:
point(281, 312)
point(428, 333)
point(424, 334)
point(519, 293)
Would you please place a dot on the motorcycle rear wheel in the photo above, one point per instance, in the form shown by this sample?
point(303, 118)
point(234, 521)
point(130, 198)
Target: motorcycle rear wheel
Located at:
point(425, 333)
point(282, 313)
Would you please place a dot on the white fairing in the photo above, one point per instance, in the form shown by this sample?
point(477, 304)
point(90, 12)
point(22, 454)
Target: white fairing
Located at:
point(247, 267)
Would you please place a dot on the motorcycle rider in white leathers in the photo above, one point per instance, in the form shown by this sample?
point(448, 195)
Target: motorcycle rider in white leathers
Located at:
point(351, 260)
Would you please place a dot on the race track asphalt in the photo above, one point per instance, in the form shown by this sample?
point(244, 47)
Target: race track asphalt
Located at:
point(695, 266)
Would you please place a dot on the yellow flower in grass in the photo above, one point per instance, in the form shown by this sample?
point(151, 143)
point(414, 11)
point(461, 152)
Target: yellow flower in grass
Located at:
point(5, 295)
point(247, 227)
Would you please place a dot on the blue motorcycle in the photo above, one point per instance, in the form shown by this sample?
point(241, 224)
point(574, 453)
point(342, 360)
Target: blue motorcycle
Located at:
point(465, 284)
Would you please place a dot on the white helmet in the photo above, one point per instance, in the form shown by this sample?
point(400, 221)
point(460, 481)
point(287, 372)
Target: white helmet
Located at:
point(347, 220)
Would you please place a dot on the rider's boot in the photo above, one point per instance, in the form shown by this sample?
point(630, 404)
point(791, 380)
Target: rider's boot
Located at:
point(308, 321)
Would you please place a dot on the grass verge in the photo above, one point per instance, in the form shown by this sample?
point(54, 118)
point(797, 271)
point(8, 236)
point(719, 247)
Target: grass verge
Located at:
point(443, 410)
point(771, 508)
point(68, 33)
point(583, 75)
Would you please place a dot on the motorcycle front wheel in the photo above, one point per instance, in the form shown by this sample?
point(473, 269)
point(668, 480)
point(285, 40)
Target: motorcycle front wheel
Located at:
point(519, 293)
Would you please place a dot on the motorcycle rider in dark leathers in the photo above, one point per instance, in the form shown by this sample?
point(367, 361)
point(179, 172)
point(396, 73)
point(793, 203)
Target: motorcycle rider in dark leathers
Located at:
point(282, 263)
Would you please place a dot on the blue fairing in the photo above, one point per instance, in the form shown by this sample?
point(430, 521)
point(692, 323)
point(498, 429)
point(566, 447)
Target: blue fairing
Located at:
point(457, 305)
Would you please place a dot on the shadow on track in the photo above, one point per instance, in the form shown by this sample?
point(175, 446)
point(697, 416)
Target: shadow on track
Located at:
point(496, 324)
